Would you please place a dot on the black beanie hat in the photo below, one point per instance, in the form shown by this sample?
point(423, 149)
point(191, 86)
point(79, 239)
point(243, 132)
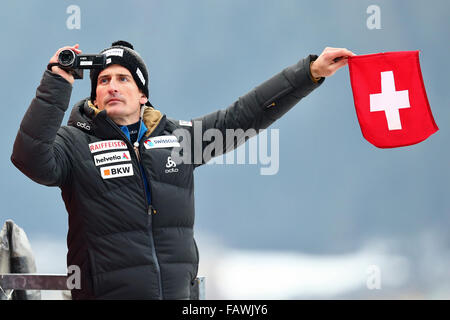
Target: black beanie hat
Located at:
point(122, 53)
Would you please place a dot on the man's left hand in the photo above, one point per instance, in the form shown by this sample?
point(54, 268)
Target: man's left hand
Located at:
point(329, 61)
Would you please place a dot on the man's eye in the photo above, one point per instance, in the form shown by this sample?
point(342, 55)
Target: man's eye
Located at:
point(103, 81)
point(123, 79)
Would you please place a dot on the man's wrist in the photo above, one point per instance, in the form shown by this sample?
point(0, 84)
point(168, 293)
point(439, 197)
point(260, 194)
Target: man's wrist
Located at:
point(53, 68)
point(315, 77)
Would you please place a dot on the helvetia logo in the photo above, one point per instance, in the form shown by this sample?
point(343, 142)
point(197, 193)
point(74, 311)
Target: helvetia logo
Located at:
point(111, 157)
point(172, 165)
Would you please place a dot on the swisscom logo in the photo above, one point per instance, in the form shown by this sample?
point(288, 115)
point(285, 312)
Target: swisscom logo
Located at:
point(161, 142)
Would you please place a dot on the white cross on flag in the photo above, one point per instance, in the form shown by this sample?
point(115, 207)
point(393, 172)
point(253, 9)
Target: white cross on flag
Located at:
point(390, 98)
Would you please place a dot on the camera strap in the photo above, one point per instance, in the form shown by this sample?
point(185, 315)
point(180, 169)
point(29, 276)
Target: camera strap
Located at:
point(52, 64)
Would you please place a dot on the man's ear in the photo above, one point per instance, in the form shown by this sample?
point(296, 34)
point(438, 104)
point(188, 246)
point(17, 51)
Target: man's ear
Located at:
point(143, 100)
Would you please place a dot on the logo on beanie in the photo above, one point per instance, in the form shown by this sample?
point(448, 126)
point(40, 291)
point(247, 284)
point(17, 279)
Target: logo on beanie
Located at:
point(114, 52)
point(140, 75)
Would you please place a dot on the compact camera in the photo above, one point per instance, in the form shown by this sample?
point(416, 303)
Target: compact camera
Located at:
point(75, 63)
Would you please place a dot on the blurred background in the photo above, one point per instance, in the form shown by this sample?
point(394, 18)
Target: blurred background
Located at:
point(341, 219)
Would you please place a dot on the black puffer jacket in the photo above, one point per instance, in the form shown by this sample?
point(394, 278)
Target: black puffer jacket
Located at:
point(125, 249)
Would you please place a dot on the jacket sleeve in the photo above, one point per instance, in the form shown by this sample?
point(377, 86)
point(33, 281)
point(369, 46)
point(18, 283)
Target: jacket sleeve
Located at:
point(39, 151)
point(256, 110)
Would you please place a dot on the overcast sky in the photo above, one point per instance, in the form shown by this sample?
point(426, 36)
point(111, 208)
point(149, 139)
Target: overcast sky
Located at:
point(333, 193)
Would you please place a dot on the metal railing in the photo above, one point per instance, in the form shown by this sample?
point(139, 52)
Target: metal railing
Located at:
point(34, 281)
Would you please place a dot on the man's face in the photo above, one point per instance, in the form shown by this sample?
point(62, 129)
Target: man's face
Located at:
point(118, 94)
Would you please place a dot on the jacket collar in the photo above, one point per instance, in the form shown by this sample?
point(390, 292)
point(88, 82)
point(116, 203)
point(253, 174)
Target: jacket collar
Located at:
point(87, 117)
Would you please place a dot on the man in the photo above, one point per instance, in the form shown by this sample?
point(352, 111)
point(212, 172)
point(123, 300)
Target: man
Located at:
point(131, 214)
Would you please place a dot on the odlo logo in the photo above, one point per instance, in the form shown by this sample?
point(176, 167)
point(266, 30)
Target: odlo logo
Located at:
point(171, 164)
point(83, 125)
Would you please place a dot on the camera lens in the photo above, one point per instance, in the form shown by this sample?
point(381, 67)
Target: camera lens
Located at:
point(66, 58)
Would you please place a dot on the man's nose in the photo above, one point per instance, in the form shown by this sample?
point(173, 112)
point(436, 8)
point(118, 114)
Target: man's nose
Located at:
point(113, 86)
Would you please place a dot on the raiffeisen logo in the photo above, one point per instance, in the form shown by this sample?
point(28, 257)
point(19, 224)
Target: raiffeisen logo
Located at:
point(107, 145)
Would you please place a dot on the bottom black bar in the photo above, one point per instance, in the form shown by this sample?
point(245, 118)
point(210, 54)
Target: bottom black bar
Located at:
point(233, 309)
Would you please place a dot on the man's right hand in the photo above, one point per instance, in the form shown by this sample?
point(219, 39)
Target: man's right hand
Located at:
point(55, 69)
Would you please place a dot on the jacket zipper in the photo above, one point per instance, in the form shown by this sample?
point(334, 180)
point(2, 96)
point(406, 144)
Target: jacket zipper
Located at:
point(151, 210)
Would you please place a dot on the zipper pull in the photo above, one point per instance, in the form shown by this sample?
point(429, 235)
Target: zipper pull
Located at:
point(136, 150)
point(151, 210)
point(270, 105)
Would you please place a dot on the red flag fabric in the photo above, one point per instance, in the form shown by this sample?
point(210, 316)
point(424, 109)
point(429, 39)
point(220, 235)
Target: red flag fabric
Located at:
point(390, 98)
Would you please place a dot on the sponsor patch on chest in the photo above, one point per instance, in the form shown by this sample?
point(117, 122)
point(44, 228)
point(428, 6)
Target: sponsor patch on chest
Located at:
point(111, 157)
point(121, 170)
point(107, 145)
point(161, 142)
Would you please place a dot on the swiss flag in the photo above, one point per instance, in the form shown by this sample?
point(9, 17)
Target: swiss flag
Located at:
point(390, 98)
